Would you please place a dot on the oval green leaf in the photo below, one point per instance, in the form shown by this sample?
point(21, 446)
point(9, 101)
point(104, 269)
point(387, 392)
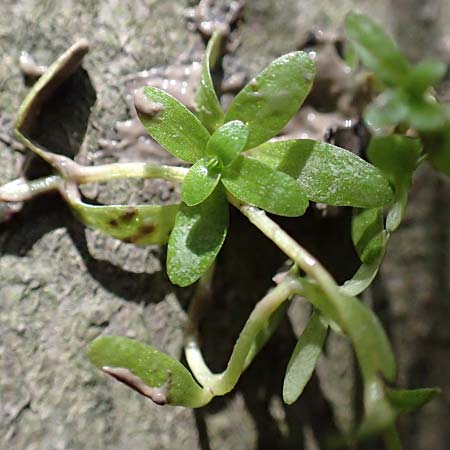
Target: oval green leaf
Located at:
point(171, 124)
point(424, 75)
point(143, 224)
point(200, 182)
point(259, 185)
point(376, 49)
point(228, 141)
point(147, 370)
point(304, 358)
point(208, 107)
point(397, 157)
point(328, 174)
point(197, 237)
point(267, 103)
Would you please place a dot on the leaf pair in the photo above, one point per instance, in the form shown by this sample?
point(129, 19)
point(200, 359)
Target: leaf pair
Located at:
point(256, 114)
point(407, 98)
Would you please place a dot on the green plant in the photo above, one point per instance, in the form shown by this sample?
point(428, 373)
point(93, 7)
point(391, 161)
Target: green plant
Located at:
point(234, 161)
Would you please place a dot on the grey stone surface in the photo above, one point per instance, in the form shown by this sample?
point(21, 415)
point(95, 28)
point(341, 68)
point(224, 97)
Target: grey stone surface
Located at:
point(62, 285)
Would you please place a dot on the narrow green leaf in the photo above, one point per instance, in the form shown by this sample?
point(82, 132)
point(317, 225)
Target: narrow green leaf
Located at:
point(228, 141)
point(143, 224)
point(146, 370)
point(364, 276)
point(171, 124)
point(208, 107)
point(368, 233)
point(424, 75)
point(304, 358)
point(376, 49)
point(409, 400)
point(259, 185)
point(267, 103)
point(197, 237)
point(360, 324)
point(200, 181)
point(327, 174)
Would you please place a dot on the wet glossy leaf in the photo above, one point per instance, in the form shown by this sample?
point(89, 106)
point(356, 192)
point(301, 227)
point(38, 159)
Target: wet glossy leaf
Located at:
point(409, 400)
point(376, 49)
point(424, 75)
point(228, 141)
point(208, 107)
point(259, 185)
point(143, 224)
point(267, 103)
point(197, 237)
point(304, 358)
point(368, 233)
point(396, 156)
point(147, 370)
point(173, 126)
point(200, 181)
point(327, 174)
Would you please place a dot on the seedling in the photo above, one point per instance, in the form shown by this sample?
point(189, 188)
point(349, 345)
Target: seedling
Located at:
point(235, 162)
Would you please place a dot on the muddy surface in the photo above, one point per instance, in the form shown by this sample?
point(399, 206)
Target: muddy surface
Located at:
point(62, 285)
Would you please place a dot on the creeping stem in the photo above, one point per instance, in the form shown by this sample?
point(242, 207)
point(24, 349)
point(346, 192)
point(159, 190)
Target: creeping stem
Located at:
point(221, 383)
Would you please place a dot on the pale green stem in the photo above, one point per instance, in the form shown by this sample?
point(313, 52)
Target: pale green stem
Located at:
point(224, 382)
point(21, 190)
point(290, 247)
point(92, 174)
point(192, 352)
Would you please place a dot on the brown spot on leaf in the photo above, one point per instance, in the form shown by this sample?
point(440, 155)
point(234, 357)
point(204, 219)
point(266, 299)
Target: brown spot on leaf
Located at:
point(129, 214)
point(113, 222)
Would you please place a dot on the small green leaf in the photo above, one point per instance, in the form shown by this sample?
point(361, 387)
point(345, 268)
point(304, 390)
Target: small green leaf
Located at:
point(200, 181)
point(143, 224)
point(327, 174)
point(425, 114)
point(304, 358)
point(267, 103)
point(197, 237)
point(368, 233)
point(147, 370)
point(424, 75)
point(259, 185)
point(376, 49)
point(172, 125)
point(437, 145)
point(397, 157)
point(409, 400)
point(228, 141)
point(388, 110)
point(208, 107)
